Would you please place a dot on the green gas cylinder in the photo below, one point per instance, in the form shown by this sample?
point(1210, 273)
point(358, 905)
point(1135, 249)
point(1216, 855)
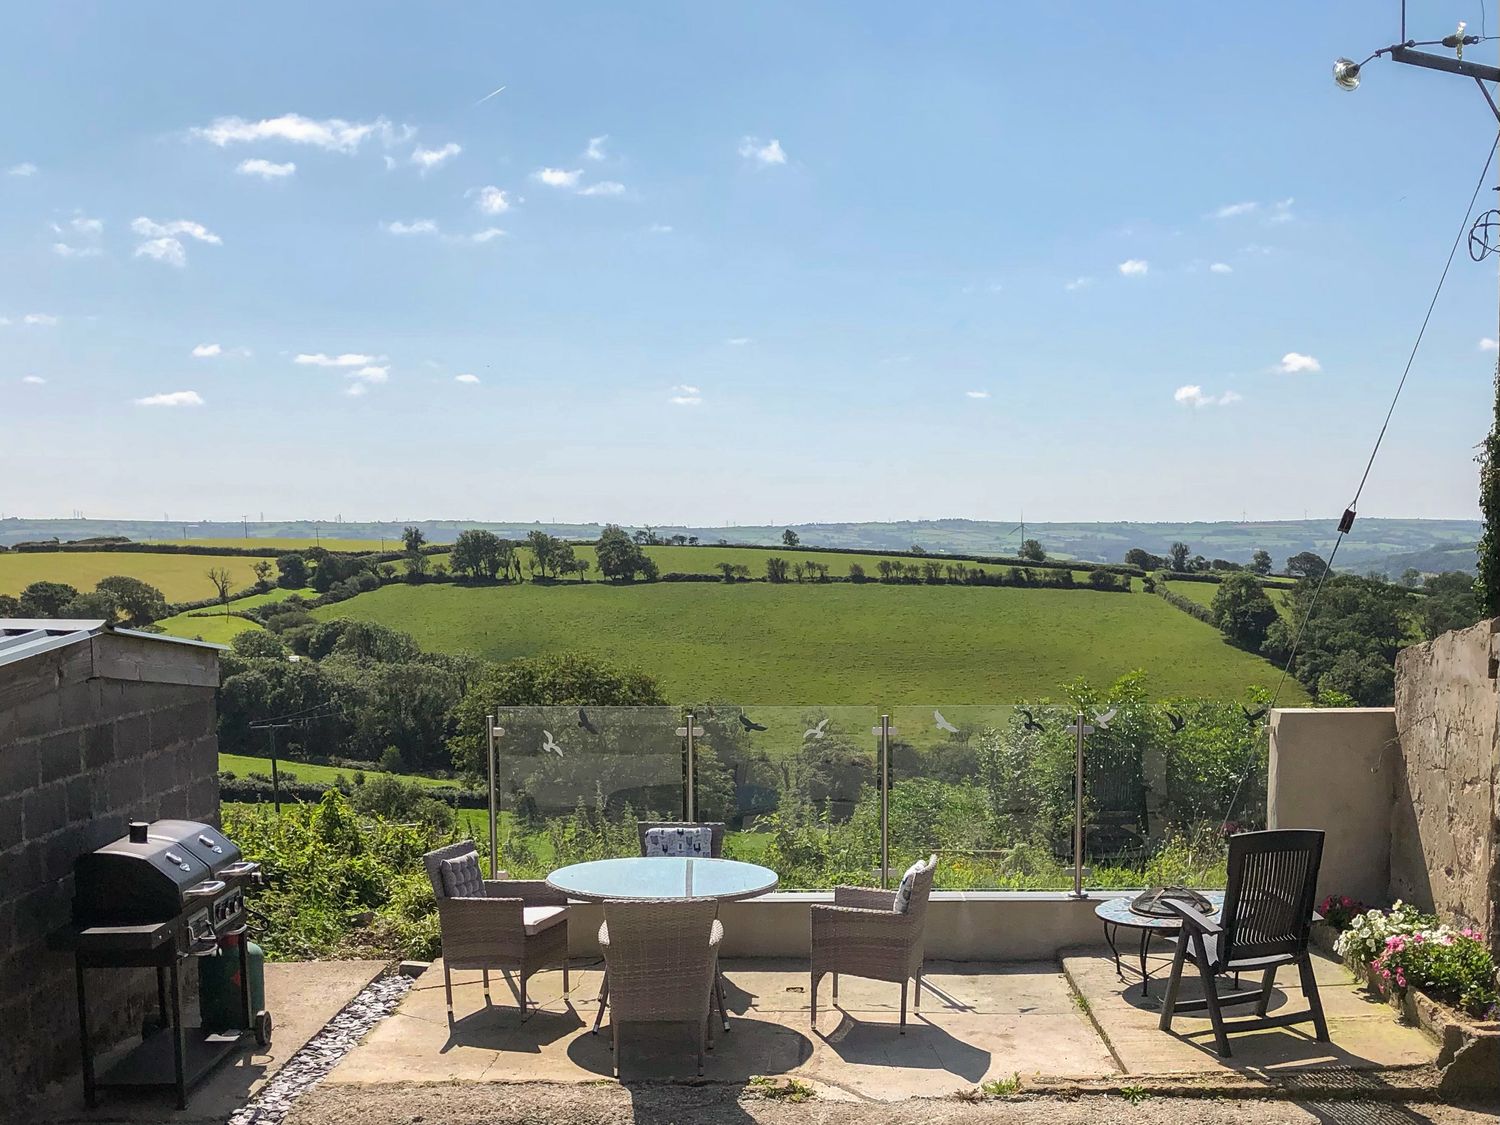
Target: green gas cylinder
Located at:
point(219, 996)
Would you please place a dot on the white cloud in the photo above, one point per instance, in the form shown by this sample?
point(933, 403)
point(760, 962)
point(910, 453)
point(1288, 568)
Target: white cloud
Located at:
point(684, 395)
point(487, 234)
point(976, 394)
point(466, 378)
point(1221, 267)
point(659, 228)
point(207, 351)
point(595, 151)
point(333, 134)
point(1294, 362)
point(44, 320)
point(766, 154)
point(82, 224)
point(26, 168)
point(354, 390)
point(491, 200)
point(162, 242)
point(34, 380)
point(63, 250)
point(85, 228)
point(1135, 267)
point(266, 169)
point(1234, 210)
point(348, 359)
point(1281, 211)
point(1192, 395)
point(737, 341)
point(1078, 283)
point(557, 177)
point(417, 226)
point(603, 187)
point(371, 373)
point(429, 158)
point(1487, 345)
point(172, 398)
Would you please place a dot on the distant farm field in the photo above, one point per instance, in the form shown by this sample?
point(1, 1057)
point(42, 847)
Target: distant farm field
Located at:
point(291, 543)
point(182, 578)
point(836, 644)
point(1203, 593)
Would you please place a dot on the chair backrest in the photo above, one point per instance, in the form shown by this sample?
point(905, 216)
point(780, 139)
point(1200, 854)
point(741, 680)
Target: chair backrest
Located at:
point(433, 861)
point(716, 841)
point(1268, 900)
point(921, 889)
point(659, 959)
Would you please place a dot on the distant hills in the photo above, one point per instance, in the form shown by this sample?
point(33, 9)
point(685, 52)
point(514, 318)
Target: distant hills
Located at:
point(1385, 544)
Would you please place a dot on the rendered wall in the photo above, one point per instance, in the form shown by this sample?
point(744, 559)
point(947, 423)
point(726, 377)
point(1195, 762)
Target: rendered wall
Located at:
point(1335, 768)
point(1443, 853)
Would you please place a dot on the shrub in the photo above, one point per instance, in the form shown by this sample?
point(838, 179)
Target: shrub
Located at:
point(1452, 966)
point(1340, 910)
point(1365, 938)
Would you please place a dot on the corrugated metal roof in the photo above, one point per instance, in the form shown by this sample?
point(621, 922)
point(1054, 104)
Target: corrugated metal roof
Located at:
point(24, 637)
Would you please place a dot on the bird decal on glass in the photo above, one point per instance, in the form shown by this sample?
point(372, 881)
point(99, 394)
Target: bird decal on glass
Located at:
point(1176, 720)
point(1030, 723)
point(749, 723)
point(1253, 717)
point(585, 722)
point(816, 731)
point(942, 723)
point(549, 744)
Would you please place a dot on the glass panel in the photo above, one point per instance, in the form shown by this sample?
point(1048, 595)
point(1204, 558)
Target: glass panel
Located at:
point(797, 787)
point(573, 782)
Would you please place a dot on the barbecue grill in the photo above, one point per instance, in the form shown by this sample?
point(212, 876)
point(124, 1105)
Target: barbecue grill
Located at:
point(168, 890)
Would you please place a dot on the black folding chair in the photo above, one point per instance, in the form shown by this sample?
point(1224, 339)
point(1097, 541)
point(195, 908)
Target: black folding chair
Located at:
point(1265, 922)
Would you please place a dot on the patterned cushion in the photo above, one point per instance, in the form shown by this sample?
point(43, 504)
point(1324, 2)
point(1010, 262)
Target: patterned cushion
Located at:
point(694, 843)
point(903, 893)
point(461, 877)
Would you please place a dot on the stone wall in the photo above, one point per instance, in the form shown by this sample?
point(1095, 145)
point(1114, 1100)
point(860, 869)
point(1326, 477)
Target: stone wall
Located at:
point(89, 740)
point(1443, 851)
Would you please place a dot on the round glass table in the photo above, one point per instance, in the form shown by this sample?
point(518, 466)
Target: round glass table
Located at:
point(1116, 914)
point(662, 877)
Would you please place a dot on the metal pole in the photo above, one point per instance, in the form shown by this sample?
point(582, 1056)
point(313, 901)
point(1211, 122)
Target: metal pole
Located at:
point(885, 800)
point(275, 773)
point(692, 770)
point(1078, 810)
point(489, 738)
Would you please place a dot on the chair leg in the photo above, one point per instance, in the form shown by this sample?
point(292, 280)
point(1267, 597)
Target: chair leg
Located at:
point(812, 995)
point(719, 996)
point(916, 1000)
point(603, 1000)
point(1211, 997)
point(525, 1009)
point(566, 988)
point(835, 986)
point(1174, 982)
point(487, 1000)
point(702, 1038)
point(1314, 1001)
point(903, 1007)
point(448, 988)
point(1266, 984)
point(614, 1034)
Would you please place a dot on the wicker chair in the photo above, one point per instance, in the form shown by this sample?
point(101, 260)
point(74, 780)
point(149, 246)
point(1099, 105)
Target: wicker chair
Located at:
point(863, 935)
point(518, 926)
point(662, 958)
point(1265, 923)
point(716, 843)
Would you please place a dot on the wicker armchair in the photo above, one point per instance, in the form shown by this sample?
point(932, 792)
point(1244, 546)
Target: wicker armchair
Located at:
point(863, 935)
point(716, 844)
point(662, 958)
point(518, 926)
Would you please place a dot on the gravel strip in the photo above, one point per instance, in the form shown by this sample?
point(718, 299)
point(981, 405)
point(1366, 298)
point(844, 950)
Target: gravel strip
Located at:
point(322, 1052)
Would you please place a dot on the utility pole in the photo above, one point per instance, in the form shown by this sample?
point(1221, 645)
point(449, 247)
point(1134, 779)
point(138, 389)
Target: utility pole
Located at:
point(271, 729)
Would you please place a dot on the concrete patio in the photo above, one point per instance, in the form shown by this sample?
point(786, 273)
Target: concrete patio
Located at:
point(1043, 1020)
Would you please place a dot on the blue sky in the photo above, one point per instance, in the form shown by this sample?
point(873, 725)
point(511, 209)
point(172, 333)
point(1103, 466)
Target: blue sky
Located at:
point(755, 263)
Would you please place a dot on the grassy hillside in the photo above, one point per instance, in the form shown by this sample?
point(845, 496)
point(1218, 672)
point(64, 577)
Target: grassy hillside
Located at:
point(836, 644)
point(182, 578)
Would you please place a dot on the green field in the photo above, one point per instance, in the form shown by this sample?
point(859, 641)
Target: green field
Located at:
point(182, 578)
point(837, 644)
point(242, 765)
point(291, 543)
point(1203, 593)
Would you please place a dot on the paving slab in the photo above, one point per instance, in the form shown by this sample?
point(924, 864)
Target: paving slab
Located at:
point(975, 1023)
point(301, 996)
point(1364, 1033)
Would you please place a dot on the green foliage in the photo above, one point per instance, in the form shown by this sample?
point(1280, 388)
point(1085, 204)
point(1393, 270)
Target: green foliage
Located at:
point(1487, 585)
point(1453, 967)
point(1242, 611)
point(291, 571)
point(620, 558)
point(138, 602)
point(1364, 938)
point(482, 554)
point(789, 538)
point(1032, 551)
point(1306, 564)
point(1260, 562)
point(1452, 602)
point(327, 868)
point(1178, 554)
point(1003, 1087)
point(1349, 644)
point(46, 599)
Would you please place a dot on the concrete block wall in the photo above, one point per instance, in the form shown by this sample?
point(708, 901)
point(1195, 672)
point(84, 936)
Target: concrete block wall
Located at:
point(80, 756)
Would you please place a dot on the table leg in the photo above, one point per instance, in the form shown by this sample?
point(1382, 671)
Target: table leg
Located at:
point(1145, 974)
point(1110, 931)
point(83, 1039)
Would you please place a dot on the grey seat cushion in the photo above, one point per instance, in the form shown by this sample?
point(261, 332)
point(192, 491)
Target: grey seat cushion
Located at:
point(461, 877)
point(539, 918)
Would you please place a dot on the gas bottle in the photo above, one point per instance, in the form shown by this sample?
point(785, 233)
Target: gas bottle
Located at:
point(219, 997)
